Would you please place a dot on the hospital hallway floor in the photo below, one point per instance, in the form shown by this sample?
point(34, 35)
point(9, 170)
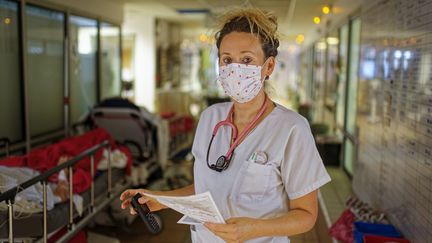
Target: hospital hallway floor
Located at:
point(332, 198)
point(178, 233)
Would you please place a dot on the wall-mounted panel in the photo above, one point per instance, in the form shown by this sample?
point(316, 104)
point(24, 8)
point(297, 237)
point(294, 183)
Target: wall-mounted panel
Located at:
point(394, 169)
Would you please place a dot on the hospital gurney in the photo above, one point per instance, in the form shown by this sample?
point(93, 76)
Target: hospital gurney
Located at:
point(156, 139)
point(42, 225)
point(134, 127)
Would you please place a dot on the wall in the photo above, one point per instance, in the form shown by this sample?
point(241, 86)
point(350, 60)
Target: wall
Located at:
point(394, 166)
point(142, 27)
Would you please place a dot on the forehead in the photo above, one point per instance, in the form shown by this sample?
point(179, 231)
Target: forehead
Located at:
point(238, 42)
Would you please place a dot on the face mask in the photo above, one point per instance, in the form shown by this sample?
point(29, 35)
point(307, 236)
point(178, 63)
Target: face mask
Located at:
point(242, 82)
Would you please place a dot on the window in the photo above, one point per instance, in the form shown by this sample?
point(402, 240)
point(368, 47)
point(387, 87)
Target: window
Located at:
point(110, 84)
point(11, 104)
point(83, 53)
point(45, 54)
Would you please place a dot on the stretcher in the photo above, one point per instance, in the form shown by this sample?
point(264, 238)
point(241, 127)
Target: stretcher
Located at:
point(137, 129)
point(40, 226)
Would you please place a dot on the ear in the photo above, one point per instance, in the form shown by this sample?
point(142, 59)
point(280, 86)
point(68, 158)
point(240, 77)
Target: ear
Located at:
point(271, 62)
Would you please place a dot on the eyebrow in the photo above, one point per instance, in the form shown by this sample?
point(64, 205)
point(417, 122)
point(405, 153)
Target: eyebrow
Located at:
point(227, 53)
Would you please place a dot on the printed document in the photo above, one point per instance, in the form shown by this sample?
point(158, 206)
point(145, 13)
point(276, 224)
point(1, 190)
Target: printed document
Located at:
point(199, 208)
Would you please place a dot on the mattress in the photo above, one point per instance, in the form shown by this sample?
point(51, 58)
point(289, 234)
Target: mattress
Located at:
point(32, 226)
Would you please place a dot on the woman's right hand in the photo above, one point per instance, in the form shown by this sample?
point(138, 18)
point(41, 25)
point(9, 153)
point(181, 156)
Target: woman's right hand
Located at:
point(153, 205)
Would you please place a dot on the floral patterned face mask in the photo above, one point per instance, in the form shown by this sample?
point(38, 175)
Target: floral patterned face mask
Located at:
point(242, 82)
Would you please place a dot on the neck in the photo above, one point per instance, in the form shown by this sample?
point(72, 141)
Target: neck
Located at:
point(245, 112)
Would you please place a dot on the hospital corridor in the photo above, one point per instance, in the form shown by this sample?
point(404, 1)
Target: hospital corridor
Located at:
point(212, 121)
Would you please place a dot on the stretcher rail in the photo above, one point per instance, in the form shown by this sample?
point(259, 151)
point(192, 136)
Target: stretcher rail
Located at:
point(9, 196)
point(5, 142)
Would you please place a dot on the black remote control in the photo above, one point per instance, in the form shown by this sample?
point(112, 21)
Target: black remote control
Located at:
point(151, 221)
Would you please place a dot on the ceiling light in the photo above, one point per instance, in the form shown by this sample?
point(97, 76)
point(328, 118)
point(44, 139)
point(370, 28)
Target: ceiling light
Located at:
point(203, 38)
point(317, 20)
point(332, 40)
point(326, 10)
point(321, 45)
point(300, 38)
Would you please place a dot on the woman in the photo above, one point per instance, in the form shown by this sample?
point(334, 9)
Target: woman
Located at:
point(264, 180)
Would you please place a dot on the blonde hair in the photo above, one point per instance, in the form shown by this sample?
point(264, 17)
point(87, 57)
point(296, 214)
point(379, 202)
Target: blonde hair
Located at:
point(251, 20)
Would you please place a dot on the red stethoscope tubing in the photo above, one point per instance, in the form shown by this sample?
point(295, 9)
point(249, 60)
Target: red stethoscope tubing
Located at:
point(228, 122)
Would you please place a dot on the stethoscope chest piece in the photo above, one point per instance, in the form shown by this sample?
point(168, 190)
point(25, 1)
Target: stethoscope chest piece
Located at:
point(221, 163)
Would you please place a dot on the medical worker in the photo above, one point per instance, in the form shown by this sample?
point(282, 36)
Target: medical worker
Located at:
point(257, 159)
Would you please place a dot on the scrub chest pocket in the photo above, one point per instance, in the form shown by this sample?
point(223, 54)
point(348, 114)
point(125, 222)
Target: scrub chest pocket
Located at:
point(253, 181)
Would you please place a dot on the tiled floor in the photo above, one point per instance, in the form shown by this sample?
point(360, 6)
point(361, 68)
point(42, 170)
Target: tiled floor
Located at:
point(172, 232)
point(333, 194)
point(176, 233)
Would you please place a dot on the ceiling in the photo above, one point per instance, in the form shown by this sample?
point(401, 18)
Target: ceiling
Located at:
point(295, 16)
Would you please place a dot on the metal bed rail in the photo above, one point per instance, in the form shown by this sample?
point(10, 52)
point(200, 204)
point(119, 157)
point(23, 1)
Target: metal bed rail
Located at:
point(9, 196)
point(5, 142)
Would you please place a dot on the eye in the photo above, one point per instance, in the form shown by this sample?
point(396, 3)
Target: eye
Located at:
point(247, 60)
point(226, 60)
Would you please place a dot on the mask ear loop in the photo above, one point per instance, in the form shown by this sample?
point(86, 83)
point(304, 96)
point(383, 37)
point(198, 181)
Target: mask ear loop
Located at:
point(266, 77)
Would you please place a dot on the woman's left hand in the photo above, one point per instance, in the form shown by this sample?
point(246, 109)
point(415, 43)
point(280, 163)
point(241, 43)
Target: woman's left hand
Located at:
point(235, 229)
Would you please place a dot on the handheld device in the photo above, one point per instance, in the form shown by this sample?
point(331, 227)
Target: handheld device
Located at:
point(151, 221)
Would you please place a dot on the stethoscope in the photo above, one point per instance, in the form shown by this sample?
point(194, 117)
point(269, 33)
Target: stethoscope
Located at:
point(223, 161)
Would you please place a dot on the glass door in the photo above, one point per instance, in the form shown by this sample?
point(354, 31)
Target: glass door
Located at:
point(350, 128)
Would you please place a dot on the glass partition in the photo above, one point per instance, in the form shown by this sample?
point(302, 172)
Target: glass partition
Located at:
point(110, 84)
point(11, 103)
point(83, 67)
point(45, 55)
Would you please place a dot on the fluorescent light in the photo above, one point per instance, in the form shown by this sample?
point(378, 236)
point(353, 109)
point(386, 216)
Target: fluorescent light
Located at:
point(332, 40)
point(321, 45)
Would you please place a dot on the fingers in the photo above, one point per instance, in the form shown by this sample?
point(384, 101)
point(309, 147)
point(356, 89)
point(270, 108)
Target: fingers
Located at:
point(143, 200)
point(232, 220)
point(228, 232)
point(227, 237)
point(128, 193)
point(131, 193)
point(126, 203)
point(132, 211)
point(225, 228)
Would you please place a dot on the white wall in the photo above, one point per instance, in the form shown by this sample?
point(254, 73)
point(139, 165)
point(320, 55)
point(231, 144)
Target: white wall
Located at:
point(142, 26)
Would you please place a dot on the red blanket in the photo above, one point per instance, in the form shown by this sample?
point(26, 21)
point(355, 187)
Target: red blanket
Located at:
point(43, 159)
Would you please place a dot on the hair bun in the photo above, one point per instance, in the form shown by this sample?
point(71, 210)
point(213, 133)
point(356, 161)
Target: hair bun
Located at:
point(256, 21)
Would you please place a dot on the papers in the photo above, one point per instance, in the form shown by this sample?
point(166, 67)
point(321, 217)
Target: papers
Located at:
point(199, 208)
point(188, 220)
